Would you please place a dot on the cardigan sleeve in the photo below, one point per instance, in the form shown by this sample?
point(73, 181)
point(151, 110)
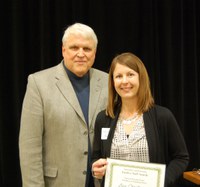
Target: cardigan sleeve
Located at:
point(174, 146)
point(97, 153)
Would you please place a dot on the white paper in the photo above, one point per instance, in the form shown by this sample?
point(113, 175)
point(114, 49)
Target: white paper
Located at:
point(121, 173)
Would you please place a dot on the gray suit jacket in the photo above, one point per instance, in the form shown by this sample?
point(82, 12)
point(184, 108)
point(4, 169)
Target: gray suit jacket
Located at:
point(53, 137)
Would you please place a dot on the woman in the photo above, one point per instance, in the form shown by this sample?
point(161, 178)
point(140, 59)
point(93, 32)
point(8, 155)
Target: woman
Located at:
point(132, 127)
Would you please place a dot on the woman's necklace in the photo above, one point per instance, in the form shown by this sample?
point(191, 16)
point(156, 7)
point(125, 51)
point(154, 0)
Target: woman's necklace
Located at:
point(130, 120)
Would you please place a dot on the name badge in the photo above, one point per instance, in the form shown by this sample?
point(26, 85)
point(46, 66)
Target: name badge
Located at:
point(104, 133)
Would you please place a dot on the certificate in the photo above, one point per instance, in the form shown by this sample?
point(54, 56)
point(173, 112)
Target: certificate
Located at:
point(123, 173)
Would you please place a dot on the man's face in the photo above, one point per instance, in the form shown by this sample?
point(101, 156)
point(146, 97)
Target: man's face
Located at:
point(79, 54)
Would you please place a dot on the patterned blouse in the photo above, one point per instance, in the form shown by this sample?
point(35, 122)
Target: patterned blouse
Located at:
point(133, 147)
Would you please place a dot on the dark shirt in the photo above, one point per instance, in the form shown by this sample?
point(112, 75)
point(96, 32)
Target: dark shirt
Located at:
point(81, 87)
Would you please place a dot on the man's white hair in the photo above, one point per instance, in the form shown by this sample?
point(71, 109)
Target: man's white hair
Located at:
point(80, 29)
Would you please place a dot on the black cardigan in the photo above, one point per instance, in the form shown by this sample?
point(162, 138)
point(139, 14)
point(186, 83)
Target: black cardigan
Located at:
point(165, 141)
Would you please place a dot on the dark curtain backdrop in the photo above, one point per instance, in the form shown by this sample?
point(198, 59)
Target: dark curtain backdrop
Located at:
point(165, 34)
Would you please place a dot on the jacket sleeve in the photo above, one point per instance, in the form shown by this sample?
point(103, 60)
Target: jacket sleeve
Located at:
point(97, 152)
point(174, 146)
point(30, 137)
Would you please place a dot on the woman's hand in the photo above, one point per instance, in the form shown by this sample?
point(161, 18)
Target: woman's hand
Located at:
point(99, 168)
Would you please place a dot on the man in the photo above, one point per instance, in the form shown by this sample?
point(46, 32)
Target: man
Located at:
point(58, 115)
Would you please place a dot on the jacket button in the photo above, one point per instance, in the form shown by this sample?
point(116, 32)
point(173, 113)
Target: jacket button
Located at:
point(84, 172)
point(85, 153)
point(85, 133)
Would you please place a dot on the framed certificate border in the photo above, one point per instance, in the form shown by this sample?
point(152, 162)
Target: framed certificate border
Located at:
point(123, 173)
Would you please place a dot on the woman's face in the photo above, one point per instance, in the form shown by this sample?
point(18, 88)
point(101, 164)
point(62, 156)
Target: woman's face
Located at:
point(126, 82)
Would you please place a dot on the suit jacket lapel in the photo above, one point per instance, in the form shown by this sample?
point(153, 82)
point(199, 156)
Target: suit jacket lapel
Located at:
point(95, 91)
point(66, 88)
